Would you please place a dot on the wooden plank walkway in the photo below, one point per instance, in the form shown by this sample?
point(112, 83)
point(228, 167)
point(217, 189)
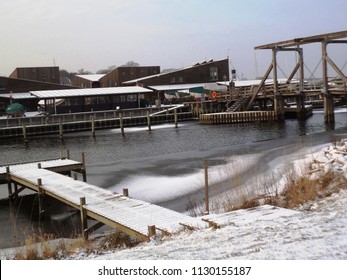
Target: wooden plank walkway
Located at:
point(60, 165)
point(122, 213)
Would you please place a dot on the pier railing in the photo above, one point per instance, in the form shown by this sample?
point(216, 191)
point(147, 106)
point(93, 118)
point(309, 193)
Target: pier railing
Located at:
point(53, 124)
point(77, 117)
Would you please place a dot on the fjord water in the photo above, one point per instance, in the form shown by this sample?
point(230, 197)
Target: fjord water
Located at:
point(158, 166)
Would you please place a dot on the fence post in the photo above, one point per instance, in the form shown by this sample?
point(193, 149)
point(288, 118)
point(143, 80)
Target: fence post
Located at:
point(125, 192)
point(83, 217)
point(207, 208)
point(84, 172)
point(149, 121)
point(151, 231)
point(25, 134)
point(92, 124)
point(121, 123)
point(175, 111)
point(61, 129)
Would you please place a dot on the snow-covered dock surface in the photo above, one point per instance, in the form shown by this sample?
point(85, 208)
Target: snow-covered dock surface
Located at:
point(132, 213)
point(46, 164)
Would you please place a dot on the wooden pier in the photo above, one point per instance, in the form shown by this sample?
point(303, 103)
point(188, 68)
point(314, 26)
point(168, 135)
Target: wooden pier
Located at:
point(237, 117)
point(129, 215)
point(90, 121)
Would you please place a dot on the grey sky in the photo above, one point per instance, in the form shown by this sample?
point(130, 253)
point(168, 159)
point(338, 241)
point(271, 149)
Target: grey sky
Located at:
point(94, 34)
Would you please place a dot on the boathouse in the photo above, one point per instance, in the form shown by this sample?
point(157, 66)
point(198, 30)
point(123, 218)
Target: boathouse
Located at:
point(91, 99)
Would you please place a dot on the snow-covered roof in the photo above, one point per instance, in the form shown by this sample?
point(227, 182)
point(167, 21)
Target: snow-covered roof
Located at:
point(91, 77)
point(20, 95)
point(176, 86)
point(47, 94)
point(246, 83)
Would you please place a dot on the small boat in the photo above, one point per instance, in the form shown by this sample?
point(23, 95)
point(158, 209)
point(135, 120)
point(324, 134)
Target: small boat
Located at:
point(15, 110)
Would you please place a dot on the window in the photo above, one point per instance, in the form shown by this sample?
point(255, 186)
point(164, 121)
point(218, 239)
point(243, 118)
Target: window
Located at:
point(116, 99)
point(131, 98)
point(213, 73)
point(180, 79)
point(172, 80)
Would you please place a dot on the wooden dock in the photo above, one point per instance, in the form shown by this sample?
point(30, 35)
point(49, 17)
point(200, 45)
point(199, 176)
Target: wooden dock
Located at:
point(24, 127)
point(237, 117)
point(134, 217)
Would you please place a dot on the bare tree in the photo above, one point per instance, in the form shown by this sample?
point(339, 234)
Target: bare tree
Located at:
point(102, 71)
point(131, 64)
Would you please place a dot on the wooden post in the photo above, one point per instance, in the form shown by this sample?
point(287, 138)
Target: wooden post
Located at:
point(61, 132)
point(121, 123)
point(329, 116)
point(74, 175)
point(92, 124)
point(83, 217)
point(125, 192)
point(84, 172)
point(25, 135)
point(207, 208)
point(151, 231)
point(149, 121)
point(39, 166)
point(39, 194)
point(68, 154)
point(175, 112)
point(9, 184)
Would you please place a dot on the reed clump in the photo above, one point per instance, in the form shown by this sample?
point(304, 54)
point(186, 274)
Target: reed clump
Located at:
point(299, 188)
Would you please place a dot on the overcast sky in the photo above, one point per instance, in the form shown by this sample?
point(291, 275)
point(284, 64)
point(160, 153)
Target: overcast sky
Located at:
point(95, 34)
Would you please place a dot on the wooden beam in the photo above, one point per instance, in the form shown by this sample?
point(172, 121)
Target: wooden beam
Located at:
point(305, 40)
point(337, 69)
point(262, 82)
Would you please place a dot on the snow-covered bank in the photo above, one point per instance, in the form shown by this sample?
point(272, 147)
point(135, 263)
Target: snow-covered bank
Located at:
point(317, 234)
point(315, 230)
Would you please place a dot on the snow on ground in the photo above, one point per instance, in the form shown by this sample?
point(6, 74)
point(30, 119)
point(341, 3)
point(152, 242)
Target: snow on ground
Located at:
point(316, 230)
point(317, 234)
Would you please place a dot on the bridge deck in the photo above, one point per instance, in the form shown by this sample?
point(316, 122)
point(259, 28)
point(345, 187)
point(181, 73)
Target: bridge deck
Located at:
point(123, 213)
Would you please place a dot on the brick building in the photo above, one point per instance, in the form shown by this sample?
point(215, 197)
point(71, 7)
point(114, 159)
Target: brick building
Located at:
point(48, 74)
point(202, 72)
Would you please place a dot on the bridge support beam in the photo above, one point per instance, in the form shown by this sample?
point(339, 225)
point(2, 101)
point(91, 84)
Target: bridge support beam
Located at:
point(329, 116)
point(300, 107)
point(279, 103)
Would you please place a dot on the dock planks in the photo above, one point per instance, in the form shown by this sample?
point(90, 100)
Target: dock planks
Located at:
point(126, 214)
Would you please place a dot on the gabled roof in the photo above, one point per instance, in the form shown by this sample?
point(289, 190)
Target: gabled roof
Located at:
point(173, 71)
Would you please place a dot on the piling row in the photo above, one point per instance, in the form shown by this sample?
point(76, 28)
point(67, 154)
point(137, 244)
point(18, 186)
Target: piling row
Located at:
point(237, 117)
point(26, 129)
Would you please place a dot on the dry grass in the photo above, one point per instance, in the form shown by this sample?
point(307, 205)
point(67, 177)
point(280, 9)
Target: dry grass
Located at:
point(117, 240)
point(44, 247)
point(299, 187)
